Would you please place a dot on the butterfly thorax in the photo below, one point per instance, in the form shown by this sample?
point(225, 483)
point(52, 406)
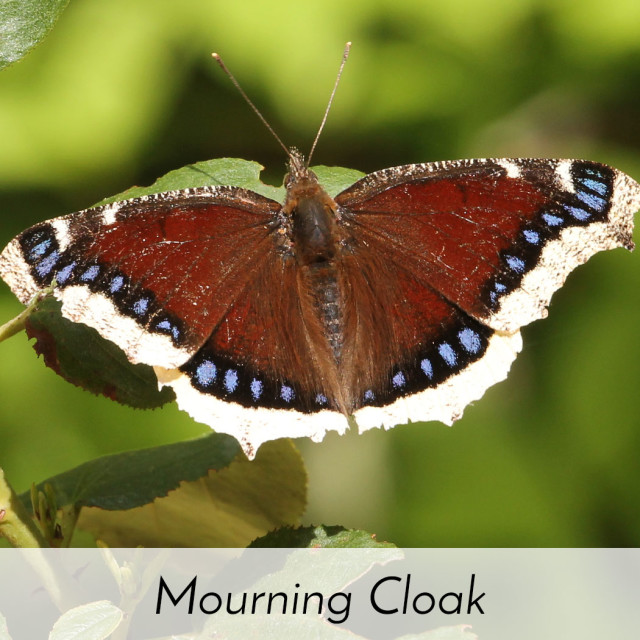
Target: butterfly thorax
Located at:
point(313, 231)
point(311, 213)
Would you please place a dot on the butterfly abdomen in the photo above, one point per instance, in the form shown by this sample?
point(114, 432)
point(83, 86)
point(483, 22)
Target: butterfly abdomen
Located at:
point(323, 281)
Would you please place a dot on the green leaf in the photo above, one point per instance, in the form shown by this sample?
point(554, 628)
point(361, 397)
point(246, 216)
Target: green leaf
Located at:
point(334, 537)
point(203, 492)
point(261, 627)
point(336, 179)
point(329, 571)
point(225, 508)
point(219, 172)
point(134, 478)
point(81, 356)
point(25, 23)
point(92, 621)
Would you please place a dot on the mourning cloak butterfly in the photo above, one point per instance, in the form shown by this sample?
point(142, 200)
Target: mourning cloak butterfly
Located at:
point(399, 299)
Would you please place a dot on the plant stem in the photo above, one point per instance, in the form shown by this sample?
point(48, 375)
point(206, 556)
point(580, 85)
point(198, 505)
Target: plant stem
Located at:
point(17, 324)
point(14, 326)
point(16, 523)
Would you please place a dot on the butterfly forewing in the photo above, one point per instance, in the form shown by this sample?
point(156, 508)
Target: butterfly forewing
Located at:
point(155, 274)
point(475, 229)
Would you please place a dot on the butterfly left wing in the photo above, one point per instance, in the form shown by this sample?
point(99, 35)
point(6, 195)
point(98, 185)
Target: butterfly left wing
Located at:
point(152, 274)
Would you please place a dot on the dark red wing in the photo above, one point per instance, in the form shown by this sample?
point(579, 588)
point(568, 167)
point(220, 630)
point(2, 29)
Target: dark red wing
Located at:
point(169, 264)
point(473, 230)
point(195, 256)
point(447, 225)
point(259, 354)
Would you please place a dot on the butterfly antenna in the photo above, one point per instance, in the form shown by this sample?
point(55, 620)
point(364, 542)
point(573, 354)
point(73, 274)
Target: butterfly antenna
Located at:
point(345, 55)
point(218, 59)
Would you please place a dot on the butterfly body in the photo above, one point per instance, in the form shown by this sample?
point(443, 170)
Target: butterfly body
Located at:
point(398, 299)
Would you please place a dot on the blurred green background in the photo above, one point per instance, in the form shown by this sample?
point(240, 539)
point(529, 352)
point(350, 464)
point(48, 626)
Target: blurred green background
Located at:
point(125, 90)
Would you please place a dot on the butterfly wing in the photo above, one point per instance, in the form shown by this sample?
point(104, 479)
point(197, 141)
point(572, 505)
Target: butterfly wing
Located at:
point(195, 283)
point(152, 274)
point(479, 247)
point(257, 376)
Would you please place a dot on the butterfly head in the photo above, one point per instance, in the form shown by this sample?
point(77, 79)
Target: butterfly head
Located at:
point(299, 178)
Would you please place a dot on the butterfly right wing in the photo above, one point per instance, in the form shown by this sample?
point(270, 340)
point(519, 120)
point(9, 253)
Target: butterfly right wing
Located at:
point(473, 249)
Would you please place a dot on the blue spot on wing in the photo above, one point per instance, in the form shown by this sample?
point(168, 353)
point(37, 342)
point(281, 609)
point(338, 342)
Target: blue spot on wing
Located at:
point(448, 354)
point(40, 249)
point(231, 380)
point(256, 388)
point(169, 327)
point(552, 220)
point(498, 289)
point(64, 274)
point(577, 212)
point(321, 399)
point(427, 367)
point(592, 201)
point(47, 263)
point(90, 274)
point(595, 185)
point(532, 237)
point(398, 381)
point(517, 264)
point(116, 284)
point(206, 373)
point(141, 306)
point(470, 340)
point(286, 393)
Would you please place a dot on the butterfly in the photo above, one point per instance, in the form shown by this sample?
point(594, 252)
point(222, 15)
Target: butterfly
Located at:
point(399, 299)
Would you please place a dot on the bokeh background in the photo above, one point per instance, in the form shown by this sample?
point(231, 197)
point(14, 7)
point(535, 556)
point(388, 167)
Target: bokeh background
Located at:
point(125, 90)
